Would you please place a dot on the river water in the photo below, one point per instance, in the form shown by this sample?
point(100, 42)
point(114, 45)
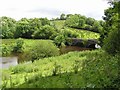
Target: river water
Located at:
point(6, 62)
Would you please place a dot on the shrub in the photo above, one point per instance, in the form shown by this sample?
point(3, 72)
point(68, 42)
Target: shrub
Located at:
point(5, 50)
point(59, 40)
point(18, 48)
point(43, 49)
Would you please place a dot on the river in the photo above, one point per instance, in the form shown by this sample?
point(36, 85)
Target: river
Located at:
point(6, 62)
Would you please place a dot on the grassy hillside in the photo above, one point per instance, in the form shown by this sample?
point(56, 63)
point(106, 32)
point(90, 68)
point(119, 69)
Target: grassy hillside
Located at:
point(72, 70)
point(84, 34)
point(59, 24)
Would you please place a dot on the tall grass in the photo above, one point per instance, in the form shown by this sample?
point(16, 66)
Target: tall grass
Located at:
point(93, 69)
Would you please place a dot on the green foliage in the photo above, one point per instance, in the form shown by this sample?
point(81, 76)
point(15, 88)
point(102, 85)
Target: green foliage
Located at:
point(82, 22)
point(62, 37)
point(90, 21)
point(88, 69)
point(62, 16)
point(59, 24)
point(112, 37)
point(112, 42)
point(5, 50)
point(43, 49)
point(25, 27)
point(111, 19)
point(44, 21)
point(100, 70)
point(73, 21)
point(18, 47)
point(59, 40)
point(44, 32)
point(7, 27)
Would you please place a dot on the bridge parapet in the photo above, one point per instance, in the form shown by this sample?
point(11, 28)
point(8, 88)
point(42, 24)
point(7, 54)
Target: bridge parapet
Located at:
point(88, 43)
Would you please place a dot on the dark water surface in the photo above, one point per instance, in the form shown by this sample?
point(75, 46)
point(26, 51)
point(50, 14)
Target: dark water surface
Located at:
point(67, 49)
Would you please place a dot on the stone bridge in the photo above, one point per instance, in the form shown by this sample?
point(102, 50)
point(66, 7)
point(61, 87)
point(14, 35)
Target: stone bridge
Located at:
point(88, 43)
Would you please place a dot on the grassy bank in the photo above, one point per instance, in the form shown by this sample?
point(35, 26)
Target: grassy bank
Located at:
point(94, 69)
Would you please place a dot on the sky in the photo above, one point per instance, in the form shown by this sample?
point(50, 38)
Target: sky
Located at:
point(18, 9)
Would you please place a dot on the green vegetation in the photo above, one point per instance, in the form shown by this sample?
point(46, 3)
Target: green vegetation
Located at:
point(75, 69)
point(29, 49)
point(59, 24)
point(86, 69)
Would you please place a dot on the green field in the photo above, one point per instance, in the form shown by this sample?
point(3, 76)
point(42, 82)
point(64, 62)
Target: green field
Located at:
point(84, 34)
point(59, 24)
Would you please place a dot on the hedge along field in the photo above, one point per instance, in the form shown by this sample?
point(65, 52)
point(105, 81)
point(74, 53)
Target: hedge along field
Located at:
point(84, 34)
point(93, 69)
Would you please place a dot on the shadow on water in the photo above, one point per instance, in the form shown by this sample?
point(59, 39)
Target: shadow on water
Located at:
point(66, 49)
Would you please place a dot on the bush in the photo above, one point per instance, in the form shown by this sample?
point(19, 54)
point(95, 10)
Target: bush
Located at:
point(5, 50)
point(18, 48)
point(59, 40)
point(43, 49)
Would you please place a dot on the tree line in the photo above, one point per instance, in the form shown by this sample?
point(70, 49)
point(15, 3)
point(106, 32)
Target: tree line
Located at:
point(42, 28)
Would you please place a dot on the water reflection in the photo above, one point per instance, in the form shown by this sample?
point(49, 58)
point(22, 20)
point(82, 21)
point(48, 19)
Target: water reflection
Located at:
point(6, 62)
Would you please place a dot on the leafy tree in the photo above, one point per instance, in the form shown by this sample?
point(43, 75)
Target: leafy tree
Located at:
point(68, 16)
point(112, 41)
point(73, 21)
point(7, 27)
point(81, 23)
point(90, 21)
point(26, 27)
point(23, 29)
point(109, 17)
point(96, 27)
point(62, 16)
point(44, 21)
point(45, 32)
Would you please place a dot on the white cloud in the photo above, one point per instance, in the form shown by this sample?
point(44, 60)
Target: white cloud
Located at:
point(51, 8)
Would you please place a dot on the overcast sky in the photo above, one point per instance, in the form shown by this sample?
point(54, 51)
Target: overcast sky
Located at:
point(18, 9)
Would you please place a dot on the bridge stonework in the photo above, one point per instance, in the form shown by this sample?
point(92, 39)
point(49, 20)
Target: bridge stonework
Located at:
point(89, 43)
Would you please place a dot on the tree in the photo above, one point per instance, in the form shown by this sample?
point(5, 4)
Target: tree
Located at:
point(72, 21)
point(7, 27)
point(96, 27)
point(90, 21)
point(81, 23)
point(23, 29)
point(44, 21)
point(112, 40)
point(26, 27)
point(62, 16)
point(45, 32)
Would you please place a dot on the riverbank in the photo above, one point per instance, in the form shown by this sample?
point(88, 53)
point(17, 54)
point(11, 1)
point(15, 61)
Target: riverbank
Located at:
point(71, 70)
